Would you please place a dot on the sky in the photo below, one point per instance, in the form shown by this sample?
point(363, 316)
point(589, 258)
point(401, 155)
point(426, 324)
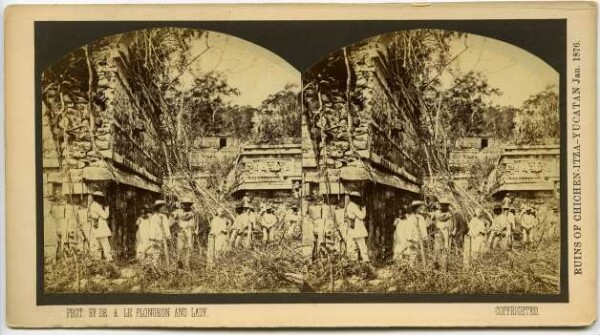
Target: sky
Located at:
point(255, 71)
point(516, 72)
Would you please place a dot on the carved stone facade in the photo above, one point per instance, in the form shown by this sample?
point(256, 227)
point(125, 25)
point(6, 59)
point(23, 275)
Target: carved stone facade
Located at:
point(361, 140)
point(528, 172)
point(269, 171)
point(93, 139)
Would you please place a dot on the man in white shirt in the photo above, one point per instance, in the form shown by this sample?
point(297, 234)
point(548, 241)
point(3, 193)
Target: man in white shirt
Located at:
point(243, 223)
point(477, 233)
point(444, 222)
point(218, 230)
point(186, 221)
point(98, 214)
point(417, 219)
point(528, 222)
point(292, 222)
point(160, 234)
point(499, 227)
point(268, 221)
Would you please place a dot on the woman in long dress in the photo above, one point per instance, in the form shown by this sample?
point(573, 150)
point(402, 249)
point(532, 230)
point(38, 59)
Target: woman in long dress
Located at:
point(406, 237)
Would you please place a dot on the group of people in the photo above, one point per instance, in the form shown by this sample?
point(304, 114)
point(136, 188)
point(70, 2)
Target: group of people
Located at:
point(164, 235)
point(419, 233)
point(340, 227)
point(225, 231)
point(266, 223)
point(158, 230)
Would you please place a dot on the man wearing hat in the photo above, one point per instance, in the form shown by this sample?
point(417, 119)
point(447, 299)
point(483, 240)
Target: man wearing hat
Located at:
point(528, 222)
point(218, 230)
point(160, 233)
point(510, 228)
point(477, 233)
point(498, 227)
point(355, 214)
point(444, 223)
point(417, 219)
point(268, 220)
point(186, 221)
point(241, 224)
point(98, 214)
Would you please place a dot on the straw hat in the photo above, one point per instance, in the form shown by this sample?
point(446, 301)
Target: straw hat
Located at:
point(416, 203)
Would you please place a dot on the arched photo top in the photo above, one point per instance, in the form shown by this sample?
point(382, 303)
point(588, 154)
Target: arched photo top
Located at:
point(515, 72)
point(188, 53)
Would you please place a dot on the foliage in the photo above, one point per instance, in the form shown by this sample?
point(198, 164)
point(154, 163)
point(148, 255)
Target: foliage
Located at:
point(263, 268)
point(500, 122)
point(537, 121)
point(278, 118)
point(533, 271)
point(478, 175)
point(467, 99)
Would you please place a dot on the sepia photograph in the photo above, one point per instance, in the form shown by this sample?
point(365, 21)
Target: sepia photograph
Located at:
point(171, 164)
point(431, 165)
point(299, 166)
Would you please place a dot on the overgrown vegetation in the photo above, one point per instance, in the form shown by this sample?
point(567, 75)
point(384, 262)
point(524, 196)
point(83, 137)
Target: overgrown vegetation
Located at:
point(264, 268)
point(520, 271)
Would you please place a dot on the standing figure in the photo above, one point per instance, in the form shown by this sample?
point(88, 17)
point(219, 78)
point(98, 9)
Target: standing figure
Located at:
point(292, 223)
point(252, 218)
point(528, 222)
point(218, 230)
point(186, 220)
point(241, 224)
point(444, 222)
point(217, 237)
point(417, 219)
point(268, 221)
point(498, 228)
point(406, 238)
point(507, 201)
point(477, 234)
point(143, 233)
point(160, 234)
point(98, 214)
point(510, 227)
point(355, 215)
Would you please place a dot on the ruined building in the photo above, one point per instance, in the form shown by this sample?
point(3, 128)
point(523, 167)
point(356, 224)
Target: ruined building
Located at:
point(269, 173)
point(361, 139)
point(94, 138)
point(529, 172)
